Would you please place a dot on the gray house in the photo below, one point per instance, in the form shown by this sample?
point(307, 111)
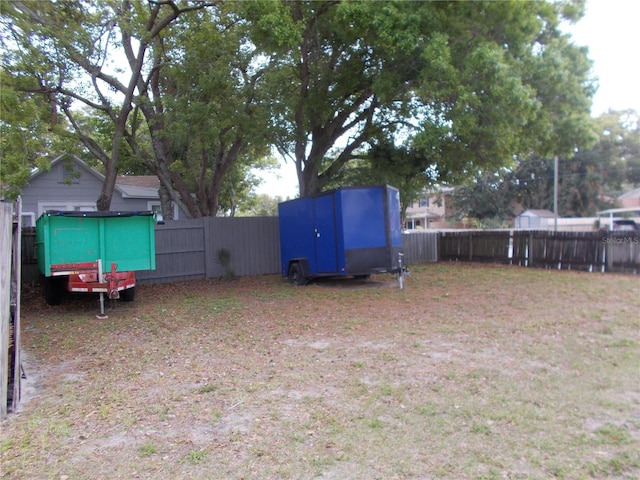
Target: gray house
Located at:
point(70, 184)
point(543, 219)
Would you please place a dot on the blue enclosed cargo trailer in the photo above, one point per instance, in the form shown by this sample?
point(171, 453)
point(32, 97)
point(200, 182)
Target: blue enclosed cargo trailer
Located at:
point(351, 231)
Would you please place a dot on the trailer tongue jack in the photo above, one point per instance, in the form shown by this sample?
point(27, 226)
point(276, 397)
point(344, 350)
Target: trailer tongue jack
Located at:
point(88, 277)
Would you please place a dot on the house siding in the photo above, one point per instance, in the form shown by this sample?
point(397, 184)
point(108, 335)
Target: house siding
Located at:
point(48, 190)
point(538, 219)
point(428, 212)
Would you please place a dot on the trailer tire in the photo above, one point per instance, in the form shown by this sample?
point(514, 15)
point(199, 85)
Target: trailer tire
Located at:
point(128, 294)
point(295, 275)
point(52, 290)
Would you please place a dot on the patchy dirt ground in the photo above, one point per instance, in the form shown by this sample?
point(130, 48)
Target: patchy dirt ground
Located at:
point(468, 372)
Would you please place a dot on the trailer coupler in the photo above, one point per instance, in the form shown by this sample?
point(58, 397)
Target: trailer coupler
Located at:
point(403, 271)
point(112, 279)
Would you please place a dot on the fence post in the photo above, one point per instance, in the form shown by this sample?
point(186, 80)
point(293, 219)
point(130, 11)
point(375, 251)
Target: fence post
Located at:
point(6, 226)
point(207, 226)
point(530, 251)
point(470, 246)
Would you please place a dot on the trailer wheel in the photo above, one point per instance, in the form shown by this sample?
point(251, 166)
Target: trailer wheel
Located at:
point(52, 290)
point(128, 294)
point(295, 275)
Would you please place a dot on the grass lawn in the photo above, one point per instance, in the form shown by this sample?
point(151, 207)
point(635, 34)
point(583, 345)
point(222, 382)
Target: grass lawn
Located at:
point(469, 372)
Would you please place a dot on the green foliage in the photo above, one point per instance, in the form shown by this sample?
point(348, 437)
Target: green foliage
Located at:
point(586, 180)
point(224, 259)
point(195, 456)
point(23, 136)
point(484, 199)
point(386, 163)
point(147, 450)
point(465, 83)
point(261, 206)
point(633, 170)
point(216, 110)
point(493, 99)
point(62, 53)
point(409, 93)
point(622, 129)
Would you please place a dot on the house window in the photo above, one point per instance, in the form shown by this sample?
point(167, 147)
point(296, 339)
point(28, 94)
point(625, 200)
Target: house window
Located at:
point(66, 207)
point(412, 224)
point(423, 202)
point(70, 174)
point(157, 208)
point(28, 219)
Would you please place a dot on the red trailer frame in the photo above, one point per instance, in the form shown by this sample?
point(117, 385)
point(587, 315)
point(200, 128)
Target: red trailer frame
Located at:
point(88, 277)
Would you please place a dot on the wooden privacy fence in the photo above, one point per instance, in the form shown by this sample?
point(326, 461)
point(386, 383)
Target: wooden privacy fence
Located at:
point(200, 248)
point(475, 246)
point(191, 249)
point(10, 292)
point(589, 251)
point(420, 247)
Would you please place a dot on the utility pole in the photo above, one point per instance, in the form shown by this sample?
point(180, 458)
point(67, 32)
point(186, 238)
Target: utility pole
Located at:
point(555, 192)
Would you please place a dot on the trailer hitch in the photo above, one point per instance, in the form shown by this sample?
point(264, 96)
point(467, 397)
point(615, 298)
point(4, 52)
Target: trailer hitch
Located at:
point(403, 271)
point(112, 280)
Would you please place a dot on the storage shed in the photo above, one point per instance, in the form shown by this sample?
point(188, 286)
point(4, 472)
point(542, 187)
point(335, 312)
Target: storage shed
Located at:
point(542, 219)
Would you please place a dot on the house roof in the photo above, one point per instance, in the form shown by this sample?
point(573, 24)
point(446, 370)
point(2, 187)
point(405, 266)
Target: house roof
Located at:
point(144, 181)
point(129, 186)
point(422, 214)
point(630, 194)
point(538, 213)
point(129, 191)
point(611, 211)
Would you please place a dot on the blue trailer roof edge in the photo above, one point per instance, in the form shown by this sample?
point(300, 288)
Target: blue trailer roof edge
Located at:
point(346, 187)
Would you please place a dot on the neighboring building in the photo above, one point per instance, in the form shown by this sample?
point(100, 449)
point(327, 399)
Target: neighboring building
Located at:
point(608, 218)
point(430, 211)
point(543, 219)
point(70, 184)
point(630, 199)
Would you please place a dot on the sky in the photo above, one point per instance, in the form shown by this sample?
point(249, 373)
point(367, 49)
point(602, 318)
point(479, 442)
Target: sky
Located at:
point(610, 30)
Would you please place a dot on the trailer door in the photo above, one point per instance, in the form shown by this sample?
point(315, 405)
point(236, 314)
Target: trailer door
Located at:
point(325, 234)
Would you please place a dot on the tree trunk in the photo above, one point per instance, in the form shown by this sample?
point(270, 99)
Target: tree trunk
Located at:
point(308, 179)
point(165, 203)
point(103, 203)
point(179, 192)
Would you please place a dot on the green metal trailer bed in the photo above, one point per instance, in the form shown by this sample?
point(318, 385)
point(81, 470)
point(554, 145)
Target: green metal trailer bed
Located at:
point(94, 251)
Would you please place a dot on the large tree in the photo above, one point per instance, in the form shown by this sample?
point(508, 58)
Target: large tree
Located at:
point(191, 106)
point(24, 136)
point(588, 180)
point(468, 84)
point(387, 163)
point(459, 86)
point(215, 108)
point(65, 52)
point(624, 130)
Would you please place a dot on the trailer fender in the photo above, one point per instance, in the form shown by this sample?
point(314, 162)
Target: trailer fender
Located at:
point(299, 271)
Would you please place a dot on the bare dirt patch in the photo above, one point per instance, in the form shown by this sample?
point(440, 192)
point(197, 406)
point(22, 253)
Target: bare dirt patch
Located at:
point(468, 372)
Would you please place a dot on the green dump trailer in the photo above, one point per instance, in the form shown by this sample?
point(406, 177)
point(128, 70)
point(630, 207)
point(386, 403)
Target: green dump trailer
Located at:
point(94, 252)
